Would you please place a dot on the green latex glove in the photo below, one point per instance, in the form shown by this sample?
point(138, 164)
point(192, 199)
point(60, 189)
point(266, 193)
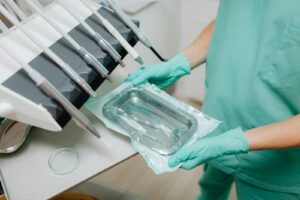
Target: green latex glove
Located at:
point(163, 74)
point(206, 149)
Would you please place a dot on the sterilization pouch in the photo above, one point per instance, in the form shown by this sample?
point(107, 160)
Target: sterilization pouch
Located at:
point(157, 124)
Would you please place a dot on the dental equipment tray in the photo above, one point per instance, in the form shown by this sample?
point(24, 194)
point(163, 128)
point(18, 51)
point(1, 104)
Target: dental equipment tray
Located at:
point(150, 120)
point(22, 84)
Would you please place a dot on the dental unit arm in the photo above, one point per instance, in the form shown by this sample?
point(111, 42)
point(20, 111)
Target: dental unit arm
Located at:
point(20, 99)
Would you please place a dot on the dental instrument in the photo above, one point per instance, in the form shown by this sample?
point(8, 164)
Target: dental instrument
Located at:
point(87, 56)
point(102, 43)
point(9, 9)
point(64, 66)
point(122, 15)
point(16, 9)
point(111, 29)
point(44, 85)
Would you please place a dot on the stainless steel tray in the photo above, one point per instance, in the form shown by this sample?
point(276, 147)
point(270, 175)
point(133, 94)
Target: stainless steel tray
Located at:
point(150, 120)
point(12, 135)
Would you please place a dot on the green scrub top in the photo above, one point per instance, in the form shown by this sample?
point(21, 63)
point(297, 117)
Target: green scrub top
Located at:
point(253, 79)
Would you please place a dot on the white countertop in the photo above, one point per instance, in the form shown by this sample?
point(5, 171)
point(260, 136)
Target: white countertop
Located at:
point(26, 174)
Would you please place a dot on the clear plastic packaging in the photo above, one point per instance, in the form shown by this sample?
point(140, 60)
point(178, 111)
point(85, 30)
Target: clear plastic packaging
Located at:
point(157, 124)
point(150, 120)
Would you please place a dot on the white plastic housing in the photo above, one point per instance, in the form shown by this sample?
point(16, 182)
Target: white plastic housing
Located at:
point(12, 105)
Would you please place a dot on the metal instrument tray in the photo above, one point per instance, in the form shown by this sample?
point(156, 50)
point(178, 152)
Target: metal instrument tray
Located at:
point(150, 120)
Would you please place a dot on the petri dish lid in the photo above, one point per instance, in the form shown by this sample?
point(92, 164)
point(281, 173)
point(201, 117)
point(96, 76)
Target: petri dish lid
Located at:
point(64, 161)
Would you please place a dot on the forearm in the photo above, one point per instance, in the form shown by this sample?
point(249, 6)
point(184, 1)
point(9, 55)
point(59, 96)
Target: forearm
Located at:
point(197, 52)
point(282, 135)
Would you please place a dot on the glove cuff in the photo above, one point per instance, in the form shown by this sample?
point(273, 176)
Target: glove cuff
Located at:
point(238, 141)
point(183, 64)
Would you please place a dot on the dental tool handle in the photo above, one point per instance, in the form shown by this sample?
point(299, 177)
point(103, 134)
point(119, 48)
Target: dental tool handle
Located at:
point(16, 9)
point(106, 46)
point(65, 67)
point(37, 8)
point(122, 15)
point(78, 117)
point(44, 85)
point(122, 41)
point(112, 30)
point(99, 39)
point(89, 58)
point(70, 72)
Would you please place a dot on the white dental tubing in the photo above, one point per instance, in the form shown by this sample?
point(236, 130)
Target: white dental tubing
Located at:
point(64, 66)
point(44, 85)
point(96, 36)
point(115, 33)
point(16, 9)
point(88, 57)
point(122, 15)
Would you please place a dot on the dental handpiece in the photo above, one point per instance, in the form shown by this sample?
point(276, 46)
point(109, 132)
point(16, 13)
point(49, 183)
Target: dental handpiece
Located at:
point(64, 66)
point(16, 9)
point(87, 57)
point(102, 43)
point(113, 31)
point(122, 15)
point(44, 85)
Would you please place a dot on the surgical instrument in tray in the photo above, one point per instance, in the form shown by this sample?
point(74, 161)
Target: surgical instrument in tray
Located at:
point(122, 15)
point(64, 66)
point(87, 56)
point(44, 85)
point(102, 43)
point(16, 9)
point(111, 29)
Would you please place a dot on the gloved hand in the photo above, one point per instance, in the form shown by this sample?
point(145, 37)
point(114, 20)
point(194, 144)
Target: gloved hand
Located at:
point(163, 74)
point(206, 149)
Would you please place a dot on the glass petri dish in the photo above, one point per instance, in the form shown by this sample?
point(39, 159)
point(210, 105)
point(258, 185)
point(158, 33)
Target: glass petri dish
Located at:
point(63, 161)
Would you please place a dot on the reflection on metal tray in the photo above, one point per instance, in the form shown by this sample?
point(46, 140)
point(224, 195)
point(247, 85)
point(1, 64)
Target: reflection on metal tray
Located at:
point(12, 135)
point(150, 120)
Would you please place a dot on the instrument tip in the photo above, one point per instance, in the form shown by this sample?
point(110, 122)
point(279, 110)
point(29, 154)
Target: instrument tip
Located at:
point(139, 60)
point(109, 78)
point(94, 132)
point(122, 63)
point(89, 90)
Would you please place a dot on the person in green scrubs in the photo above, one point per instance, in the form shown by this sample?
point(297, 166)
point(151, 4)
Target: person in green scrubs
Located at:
point(252, 55)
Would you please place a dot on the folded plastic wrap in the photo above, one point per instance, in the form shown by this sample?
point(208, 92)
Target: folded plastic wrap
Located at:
point(157, 124)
